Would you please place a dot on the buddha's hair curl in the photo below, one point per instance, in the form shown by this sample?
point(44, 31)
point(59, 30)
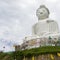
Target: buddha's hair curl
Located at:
point(43, 6)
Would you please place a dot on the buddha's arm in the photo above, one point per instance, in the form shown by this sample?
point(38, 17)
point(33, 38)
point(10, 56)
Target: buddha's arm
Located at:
point(33, 30)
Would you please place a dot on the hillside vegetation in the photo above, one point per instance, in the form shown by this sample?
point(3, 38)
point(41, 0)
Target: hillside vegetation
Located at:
point(18, 55)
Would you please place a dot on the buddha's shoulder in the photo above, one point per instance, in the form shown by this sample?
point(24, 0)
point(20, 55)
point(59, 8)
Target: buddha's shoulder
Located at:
point(45, 22)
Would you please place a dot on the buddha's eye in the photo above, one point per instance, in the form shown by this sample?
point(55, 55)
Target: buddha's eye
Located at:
point(43, 10)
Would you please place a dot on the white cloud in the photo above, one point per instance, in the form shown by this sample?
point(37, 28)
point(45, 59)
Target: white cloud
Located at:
point(52, 1)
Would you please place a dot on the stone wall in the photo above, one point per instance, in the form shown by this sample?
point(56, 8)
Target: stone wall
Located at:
point(44, 57)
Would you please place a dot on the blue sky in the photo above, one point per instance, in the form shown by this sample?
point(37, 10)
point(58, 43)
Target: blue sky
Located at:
point(17, 18)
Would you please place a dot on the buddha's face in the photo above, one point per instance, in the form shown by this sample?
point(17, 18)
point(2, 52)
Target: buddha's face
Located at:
point(42, 13)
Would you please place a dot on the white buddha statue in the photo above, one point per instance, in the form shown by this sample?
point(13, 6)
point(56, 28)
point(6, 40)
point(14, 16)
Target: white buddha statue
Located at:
point(43, 30)
point(44, 26)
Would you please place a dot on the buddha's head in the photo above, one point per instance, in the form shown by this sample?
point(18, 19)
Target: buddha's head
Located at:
point(42, 12)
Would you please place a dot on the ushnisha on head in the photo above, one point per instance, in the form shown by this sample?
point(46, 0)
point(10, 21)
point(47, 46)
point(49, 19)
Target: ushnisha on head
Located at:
point(42, 12)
